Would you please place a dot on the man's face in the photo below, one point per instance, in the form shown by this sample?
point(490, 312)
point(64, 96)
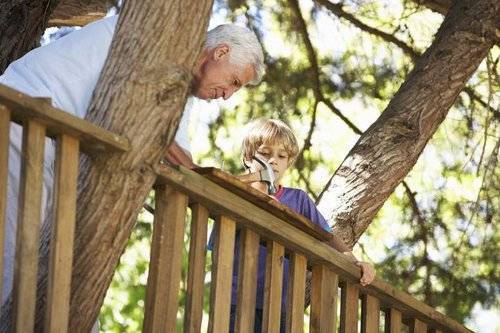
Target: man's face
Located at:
point(216, 77)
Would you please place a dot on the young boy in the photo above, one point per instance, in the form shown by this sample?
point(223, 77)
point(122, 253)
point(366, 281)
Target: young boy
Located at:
point(273, 141)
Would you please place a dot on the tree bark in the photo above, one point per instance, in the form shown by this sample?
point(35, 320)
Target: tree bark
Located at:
point(146, 77)
point(388, 150)
point(78, 12)
point(22, 24)
point(142, 89)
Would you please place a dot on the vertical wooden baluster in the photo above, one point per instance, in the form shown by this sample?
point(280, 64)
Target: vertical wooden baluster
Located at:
point(323, 299)
point(196, 269)
point(273, 287)
point(61, 254)
point(247, 281)
point(349, 308)
point(295, 293)
point(393, 321)
point(4, 165)
point(28, 227)
point(162, 294)
point(418, 326)
point(370, 314)
point(222, 274)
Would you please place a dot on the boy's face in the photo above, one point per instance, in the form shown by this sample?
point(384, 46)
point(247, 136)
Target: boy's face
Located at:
point(276, 155)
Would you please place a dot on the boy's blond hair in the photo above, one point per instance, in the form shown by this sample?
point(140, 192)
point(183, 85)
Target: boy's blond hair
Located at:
point(269, 131)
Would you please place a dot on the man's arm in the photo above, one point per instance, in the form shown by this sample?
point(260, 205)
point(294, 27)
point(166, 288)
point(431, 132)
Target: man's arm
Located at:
point(176, 155)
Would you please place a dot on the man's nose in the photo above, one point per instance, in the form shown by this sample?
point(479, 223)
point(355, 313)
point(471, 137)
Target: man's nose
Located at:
point(228, 93)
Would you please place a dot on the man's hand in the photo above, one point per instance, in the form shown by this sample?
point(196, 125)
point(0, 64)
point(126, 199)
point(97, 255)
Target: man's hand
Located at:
point(178, 156)
point(367, 272)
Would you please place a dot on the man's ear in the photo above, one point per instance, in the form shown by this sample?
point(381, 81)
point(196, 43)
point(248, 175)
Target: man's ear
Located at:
point(221, 52)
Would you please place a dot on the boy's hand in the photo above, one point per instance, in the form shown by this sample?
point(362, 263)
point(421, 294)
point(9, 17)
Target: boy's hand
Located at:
point(367, 272)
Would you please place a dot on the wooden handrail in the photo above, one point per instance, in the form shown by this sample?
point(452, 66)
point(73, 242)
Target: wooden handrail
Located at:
point(248, 215)
point(39, 121)
point(93, 139)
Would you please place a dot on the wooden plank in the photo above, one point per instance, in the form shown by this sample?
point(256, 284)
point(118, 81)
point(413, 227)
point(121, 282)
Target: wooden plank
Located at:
point(349, 308)
point(61, 253)
point(273, 287)
point(28, 227)
point(247, 281)
point(162, 293)
point(296, 293)
point(393, 321)
point(265, 201)
point(323, 299)
point(4, 170)
point(418, 326)
point(222, 272)
point(247, 214)
point(370, 314)
point(94, 139)
point(196, 269)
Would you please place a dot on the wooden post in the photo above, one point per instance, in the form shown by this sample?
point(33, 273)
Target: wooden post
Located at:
point(247, 281)
point(370, 314)
point(418, 326)
point(162, 294)
point(222, 275)
point(4, 165)
point(61, 254)
point(296, 293)
point(393, 320)
point(323, 300)
point(196, 269)
point(349, 308)
point(28, 227)
point(271, 317)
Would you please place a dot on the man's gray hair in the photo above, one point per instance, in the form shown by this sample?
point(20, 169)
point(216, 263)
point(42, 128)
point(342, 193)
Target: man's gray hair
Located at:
point(244, 47)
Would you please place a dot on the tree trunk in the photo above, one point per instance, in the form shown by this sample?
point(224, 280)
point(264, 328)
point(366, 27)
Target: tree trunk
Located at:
point(140, 95)
point(78, 12)
point(146, 77)
point(387, 151)
point(22, 24)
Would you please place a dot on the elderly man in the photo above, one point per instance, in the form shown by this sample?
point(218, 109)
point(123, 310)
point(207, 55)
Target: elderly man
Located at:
point(68, 69)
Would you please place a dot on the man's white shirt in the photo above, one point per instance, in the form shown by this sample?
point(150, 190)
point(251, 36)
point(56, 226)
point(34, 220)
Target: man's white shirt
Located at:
point(66, 71)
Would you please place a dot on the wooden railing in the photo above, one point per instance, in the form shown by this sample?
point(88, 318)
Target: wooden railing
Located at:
point(207, 193)
point(40, 120)
point(216, 194)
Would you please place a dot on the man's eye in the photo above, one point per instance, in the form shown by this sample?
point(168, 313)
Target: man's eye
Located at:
point(283, 156)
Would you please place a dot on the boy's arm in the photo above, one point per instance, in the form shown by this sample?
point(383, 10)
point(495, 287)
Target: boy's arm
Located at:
point(367, 270)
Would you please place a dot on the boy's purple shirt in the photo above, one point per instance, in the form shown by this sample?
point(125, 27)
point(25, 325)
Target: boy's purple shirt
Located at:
point(301, 203)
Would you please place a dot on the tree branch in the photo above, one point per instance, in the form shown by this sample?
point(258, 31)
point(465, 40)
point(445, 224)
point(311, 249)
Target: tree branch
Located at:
point(337, 9)
point(387, 151)
point(315, 72)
